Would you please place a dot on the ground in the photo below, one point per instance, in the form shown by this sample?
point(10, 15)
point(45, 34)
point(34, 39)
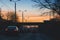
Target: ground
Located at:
point(26, 36)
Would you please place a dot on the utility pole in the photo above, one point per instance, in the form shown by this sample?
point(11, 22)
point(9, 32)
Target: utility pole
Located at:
point(15, 11)
point(15, 8)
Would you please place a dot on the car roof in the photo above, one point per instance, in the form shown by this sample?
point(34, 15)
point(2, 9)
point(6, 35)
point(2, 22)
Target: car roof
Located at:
point(12, 26)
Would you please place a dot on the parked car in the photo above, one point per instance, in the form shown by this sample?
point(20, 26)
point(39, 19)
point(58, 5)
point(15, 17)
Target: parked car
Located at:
point(12, 29)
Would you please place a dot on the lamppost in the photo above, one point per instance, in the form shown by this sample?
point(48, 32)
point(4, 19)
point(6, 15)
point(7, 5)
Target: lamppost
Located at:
point(28, 18)
point(8, 15)
point(23, 15)
point(15, 7)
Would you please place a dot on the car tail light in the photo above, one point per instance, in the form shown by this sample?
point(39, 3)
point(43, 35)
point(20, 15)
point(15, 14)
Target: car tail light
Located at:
point(15, 30)
point(6, 29)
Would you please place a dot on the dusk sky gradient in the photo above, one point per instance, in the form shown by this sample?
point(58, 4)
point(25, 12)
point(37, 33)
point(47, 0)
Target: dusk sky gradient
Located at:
point(22, 5)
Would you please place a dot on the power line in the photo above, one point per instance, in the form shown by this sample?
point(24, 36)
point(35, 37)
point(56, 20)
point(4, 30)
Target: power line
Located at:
point(5, 5)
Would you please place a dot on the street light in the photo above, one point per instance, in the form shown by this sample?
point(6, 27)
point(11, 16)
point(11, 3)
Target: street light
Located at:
point(15, 7)
point(23, 15)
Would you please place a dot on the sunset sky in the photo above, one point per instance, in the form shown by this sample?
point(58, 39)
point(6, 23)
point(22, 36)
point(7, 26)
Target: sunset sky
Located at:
point(22, 5)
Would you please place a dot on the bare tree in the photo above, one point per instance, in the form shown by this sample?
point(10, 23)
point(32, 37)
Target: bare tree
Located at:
point(0, 13)
point(11, 16)
point(53, 5)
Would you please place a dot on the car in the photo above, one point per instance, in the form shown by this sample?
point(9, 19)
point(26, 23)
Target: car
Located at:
point(11, 29)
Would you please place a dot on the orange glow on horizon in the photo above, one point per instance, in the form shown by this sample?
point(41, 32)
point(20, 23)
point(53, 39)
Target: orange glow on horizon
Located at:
point(35, 19)
point(29, 18)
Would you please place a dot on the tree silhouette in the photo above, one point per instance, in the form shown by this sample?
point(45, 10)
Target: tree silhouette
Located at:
point(0, 13)
point(11, 16)
point(53, 5)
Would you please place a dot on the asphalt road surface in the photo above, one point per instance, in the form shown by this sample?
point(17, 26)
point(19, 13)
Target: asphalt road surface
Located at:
point(26, 36)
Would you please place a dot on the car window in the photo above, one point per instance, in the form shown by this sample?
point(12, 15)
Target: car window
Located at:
point(11, 27)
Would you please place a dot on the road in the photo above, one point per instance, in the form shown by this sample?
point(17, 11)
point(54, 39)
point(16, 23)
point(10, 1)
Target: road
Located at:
point(26, 36)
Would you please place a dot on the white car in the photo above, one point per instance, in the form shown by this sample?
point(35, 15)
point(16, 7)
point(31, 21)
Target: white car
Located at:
point(11, 29)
